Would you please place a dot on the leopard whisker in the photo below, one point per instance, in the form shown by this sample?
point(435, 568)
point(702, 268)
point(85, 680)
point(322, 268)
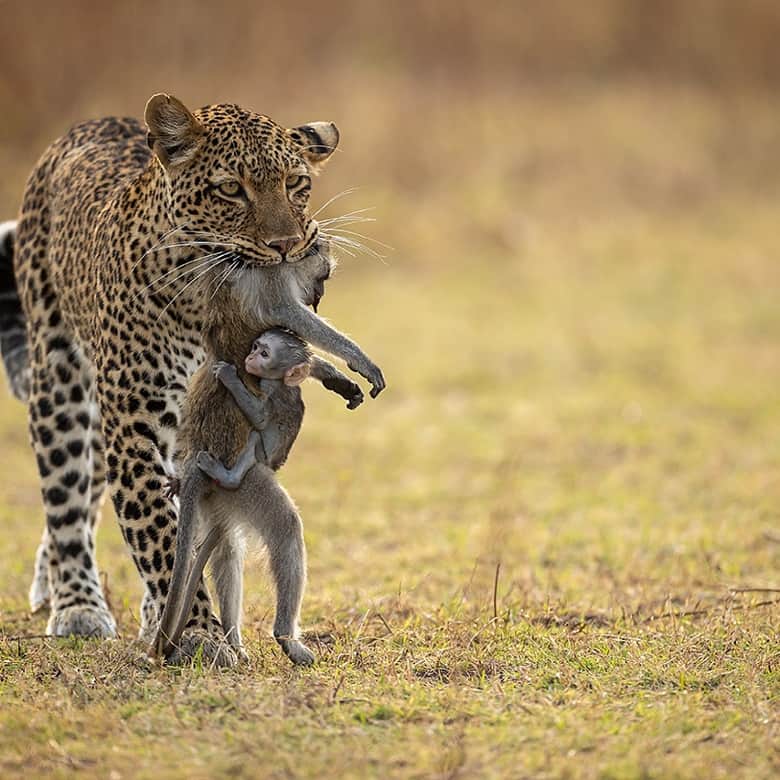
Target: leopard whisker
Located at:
point(346, 251)
point(343, 242)
point(190, 244)
point(181, 270)
point(341, 194)
point(349, 214)
point(213, 265)
point(343, 222)
point(225, 276)
point(340, 230)
point(194, 268)
point(164, 236)
point(169, 233)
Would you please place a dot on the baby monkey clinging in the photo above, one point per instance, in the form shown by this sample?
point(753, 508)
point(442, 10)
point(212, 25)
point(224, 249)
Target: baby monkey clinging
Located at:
point(281, 361)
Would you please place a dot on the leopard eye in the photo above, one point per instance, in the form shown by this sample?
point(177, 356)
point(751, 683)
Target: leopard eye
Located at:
point(297, 182)
point(231, 189)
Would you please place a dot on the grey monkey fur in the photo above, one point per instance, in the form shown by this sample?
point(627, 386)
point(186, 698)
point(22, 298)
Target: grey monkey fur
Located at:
point(273, 296)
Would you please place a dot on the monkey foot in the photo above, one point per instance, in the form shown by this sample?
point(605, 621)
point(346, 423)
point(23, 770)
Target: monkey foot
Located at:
point(212, 650)
point(82, 620)
point(296, 651)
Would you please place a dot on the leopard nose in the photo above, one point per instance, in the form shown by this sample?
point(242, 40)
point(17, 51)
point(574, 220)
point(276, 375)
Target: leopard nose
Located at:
point(284, 245)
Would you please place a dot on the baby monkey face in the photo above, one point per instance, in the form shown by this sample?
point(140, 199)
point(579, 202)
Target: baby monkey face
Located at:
point(266, 360)
point(279, 355)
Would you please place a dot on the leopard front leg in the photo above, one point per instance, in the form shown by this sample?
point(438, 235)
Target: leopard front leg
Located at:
point(139, 444)
point(40, 596)
point(62, 430)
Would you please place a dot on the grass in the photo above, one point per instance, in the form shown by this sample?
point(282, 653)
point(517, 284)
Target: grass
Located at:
point(551, 548)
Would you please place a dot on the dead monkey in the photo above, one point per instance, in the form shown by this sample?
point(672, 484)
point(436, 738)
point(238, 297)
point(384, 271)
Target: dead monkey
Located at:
point(220, 426)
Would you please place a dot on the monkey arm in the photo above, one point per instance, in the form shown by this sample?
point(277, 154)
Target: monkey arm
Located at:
point(254, 408)
point(312, 328)
point(332, 379)
point(230, 478)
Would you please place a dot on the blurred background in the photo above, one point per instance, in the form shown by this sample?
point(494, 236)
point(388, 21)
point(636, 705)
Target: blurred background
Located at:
point(579, 324)
point(449, 108)
point(578, 317)
point(538, 527)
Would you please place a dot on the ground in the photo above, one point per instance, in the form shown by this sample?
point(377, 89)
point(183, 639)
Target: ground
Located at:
point(551, 547)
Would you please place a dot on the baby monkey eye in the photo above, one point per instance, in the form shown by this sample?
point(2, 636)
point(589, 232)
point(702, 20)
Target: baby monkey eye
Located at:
point(264, 353)
point(231, 189)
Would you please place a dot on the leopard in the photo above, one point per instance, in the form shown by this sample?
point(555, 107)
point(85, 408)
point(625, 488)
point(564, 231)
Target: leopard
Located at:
point(125, 230)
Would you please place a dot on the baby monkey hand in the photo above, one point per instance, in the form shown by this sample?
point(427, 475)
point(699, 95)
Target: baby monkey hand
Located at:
point(224, 372)
point(346, 388)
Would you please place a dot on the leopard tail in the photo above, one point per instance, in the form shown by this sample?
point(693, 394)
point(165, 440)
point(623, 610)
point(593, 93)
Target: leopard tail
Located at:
point(13, 328)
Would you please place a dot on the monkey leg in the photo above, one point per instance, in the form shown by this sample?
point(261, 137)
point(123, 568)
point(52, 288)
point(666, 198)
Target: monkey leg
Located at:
point(227, 478)
point(266, 504)
point(227, 569)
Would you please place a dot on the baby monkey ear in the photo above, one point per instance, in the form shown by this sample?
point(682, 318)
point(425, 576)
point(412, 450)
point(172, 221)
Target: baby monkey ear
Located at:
point(295, 375)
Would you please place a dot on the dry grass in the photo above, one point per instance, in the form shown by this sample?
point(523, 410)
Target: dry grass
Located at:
point(583, 388)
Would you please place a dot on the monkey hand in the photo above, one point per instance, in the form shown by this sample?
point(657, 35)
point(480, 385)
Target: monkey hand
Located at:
point(372, 373)
point(347, 389)
point(355, 398)
point(172, 488)
point(224, 372)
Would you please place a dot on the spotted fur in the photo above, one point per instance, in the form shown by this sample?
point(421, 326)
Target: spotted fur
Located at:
point(124, 233)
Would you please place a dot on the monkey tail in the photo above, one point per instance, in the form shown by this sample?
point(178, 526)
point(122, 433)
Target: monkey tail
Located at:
point(174, 614)
point(13, 327)
point(193, 580)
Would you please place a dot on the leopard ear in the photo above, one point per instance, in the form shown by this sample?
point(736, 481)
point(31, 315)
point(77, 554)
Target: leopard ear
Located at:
point(317, 142)
point(174, 132)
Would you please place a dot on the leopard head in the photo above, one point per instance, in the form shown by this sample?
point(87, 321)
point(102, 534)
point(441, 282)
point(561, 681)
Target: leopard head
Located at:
point(238, 180)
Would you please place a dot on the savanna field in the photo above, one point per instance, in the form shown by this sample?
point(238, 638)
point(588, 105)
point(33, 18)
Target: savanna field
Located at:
point(551, 547)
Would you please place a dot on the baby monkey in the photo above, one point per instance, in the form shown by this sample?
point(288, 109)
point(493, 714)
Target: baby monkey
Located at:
point(281, 361)
point(276, 366)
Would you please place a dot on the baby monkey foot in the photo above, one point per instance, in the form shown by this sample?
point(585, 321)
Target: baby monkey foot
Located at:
point(223, 477)
point(207, 463)
point(296, 651)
